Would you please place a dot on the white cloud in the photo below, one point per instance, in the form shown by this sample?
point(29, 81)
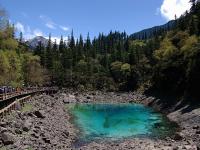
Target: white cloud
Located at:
point(53, 38)
point(37, 32)
point(48, 22)
point(50, 25)
point(19, 27)
point(170, 8)
point(64, 28)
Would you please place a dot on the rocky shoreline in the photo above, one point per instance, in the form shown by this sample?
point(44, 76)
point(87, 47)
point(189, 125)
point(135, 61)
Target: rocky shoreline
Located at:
point(46, 125)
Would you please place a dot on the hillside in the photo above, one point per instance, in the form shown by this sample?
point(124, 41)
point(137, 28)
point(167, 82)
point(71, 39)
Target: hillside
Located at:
point(151, 32)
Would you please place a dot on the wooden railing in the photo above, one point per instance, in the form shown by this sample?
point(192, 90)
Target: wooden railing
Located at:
point(9, 101)
point(10, 95)
point(13, 106)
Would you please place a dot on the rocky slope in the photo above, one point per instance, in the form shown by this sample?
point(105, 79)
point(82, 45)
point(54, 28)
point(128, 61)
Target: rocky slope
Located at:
point(33, 43)
point(47, 125)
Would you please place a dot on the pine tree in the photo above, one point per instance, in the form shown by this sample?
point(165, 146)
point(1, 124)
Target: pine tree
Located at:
point(21, 37)
point(55, 51)
point(80, 47)
point(49, 54)
point(72, 41)
point(192, 9)
point(88, 47)
point(61, 45)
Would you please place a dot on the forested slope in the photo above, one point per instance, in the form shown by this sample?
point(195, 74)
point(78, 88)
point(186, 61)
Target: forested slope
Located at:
point(166, 61)
point(18, 67)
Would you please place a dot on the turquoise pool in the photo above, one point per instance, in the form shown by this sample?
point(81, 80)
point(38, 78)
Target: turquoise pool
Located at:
point(118, 121)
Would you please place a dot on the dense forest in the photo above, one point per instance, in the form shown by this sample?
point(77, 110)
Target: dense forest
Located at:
point(165, 59)
point(18, 66)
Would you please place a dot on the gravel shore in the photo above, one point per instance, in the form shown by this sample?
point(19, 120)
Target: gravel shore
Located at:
point(44, 124)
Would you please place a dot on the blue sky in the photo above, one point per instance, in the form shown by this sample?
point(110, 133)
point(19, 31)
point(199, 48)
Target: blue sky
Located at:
point(41, 17)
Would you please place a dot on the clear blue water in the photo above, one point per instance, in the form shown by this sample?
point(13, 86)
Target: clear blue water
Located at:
point(118, 121)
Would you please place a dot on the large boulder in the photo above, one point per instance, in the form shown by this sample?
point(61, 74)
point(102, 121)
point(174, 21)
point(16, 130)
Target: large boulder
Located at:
point(7, 138)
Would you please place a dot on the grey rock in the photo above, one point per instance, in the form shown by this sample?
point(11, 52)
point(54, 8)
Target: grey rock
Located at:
point(3, 124)
point(65, 134)
point(66, 101)
point(27, 125)
point(198, 147)
point(2, 129)
point(196, 127)
point(198, 132)
point(178, 136)
point(7, 138)
point(175, 148)
point(18, 131)
point(69, 99)
point(18, 106)
point(46, 140)
point(34, 135)
point(39, 114)
point(18, 124)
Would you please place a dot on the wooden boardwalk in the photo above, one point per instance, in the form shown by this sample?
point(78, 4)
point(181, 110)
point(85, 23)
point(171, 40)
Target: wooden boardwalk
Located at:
point(11, 101)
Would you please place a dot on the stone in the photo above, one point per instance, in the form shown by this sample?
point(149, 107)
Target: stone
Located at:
point(2, 129)
point(46, 140)
point(198, 132)
point(66, 101)
point(30, 114)
point(34, 135)
point(76, 94)
point(39, 114)
point(65, 134)
point(189, 147)
point(7, 138)
point(175, 148)
point(18, 106)
point(198, 147)
point(27, 125)
point(18, 131)
point(196, 127)
point(17, 125)
point(71, 96)
point(3, 124)
point(178, 136)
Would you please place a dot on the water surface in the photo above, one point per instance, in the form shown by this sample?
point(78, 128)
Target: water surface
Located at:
point(118, 121)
